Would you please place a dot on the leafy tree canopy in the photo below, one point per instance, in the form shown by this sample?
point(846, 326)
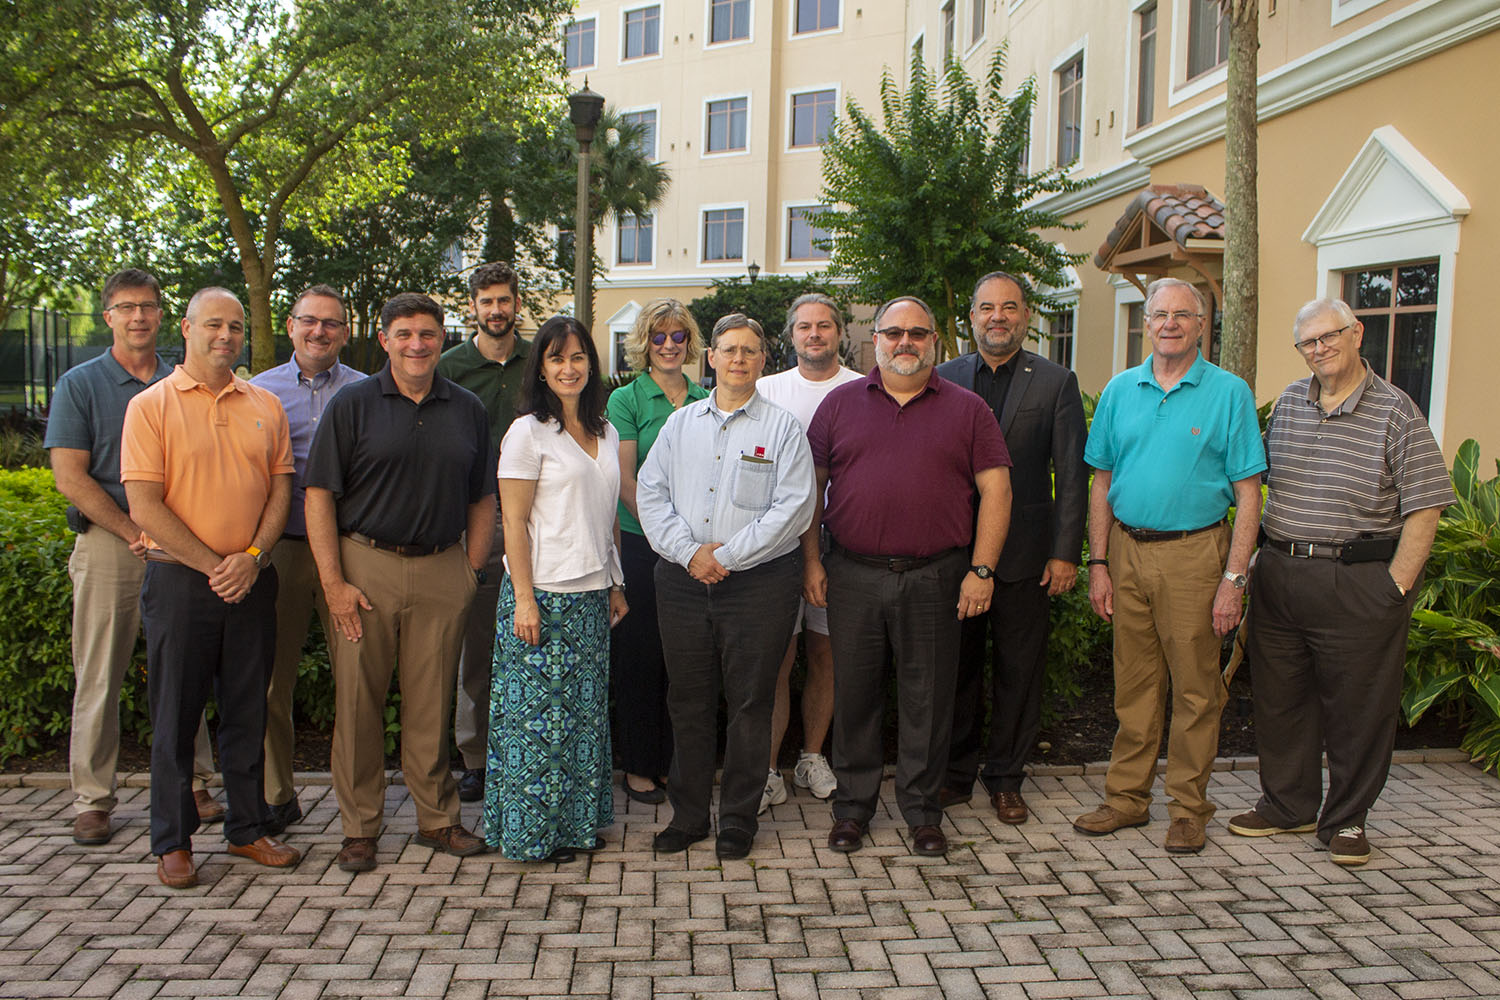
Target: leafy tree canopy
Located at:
point(766, 301)
point(938, 194)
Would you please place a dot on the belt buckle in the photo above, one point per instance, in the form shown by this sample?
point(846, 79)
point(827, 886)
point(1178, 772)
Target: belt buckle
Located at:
point(1302, 550)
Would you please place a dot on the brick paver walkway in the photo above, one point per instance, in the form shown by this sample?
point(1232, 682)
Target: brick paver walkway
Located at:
point(1029, 912)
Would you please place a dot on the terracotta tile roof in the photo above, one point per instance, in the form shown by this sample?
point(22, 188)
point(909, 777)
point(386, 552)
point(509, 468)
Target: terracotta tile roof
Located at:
point(1183, 211)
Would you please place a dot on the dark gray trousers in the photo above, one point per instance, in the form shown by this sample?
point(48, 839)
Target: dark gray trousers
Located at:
point(909, 620)
point(1018, 623)
point(726, 638)
point(1327, 647)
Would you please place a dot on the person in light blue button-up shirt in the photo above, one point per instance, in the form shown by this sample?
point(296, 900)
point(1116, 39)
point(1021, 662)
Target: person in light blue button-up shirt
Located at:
point(724, 498)
point(319, 330)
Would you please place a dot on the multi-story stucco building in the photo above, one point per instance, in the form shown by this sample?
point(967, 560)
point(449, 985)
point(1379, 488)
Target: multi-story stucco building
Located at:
point(1377, 131)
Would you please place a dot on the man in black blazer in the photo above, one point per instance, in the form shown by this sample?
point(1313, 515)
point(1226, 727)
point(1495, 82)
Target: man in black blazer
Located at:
point(1041, 416)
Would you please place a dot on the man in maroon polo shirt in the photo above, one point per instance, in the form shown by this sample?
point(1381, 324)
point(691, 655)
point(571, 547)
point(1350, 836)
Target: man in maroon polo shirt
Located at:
point(901, 454)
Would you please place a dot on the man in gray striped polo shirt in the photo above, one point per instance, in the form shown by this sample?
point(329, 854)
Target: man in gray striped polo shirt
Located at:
point(1355, 486)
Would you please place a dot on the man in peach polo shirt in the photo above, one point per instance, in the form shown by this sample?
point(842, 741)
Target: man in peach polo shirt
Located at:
point(206, 459)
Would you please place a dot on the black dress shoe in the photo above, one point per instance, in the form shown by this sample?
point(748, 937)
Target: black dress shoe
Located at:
point(847, 835)
point(675, 841)
point(471, 785)
point(653, 796)
point(928, 841)
point(561, 856)
point(597, 845)
point(733, 845)
point(283, 816)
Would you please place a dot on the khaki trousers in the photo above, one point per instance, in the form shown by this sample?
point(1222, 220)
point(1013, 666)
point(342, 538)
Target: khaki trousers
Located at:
point(299, 596)
point(106, 621)
point(420, 606)
point(1163, 632)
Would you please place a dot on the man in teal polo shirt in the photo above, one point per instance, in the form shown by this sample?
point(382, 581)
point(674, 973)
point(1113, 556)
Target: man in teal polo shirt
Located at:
point(489, 365)
point(1174, 443)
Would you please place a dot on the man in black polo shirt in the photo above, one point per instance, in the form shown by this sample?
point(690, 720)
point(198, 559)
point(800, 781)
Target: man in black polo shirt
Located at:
point(400, 471)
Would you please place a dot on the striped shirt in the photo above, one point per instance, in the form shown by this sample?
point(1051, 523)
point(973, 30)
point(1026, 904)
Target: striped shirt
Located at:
point(1359, 469)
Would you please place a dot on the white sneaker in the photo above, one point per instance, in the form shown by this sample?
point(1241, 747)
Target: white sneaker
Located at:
point(813, 773)
point(775, 793)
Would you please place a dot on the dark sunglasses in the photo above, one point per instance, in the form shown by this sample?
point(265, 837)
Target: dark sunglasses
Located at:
point(678, 336)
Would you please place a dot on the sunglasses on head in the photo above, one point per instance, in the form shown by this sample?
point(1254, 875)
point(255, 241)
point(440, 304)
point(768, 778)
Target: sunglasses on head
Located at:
point(678, 336)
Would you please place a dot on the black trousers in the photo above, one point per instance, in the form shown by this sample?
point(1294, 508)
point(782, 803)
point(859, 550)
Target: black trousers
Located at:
point(1327, 645)
point(197, 644)
point(637, 670)
point(908, 619)
point(1018, 622)
point(726, 638)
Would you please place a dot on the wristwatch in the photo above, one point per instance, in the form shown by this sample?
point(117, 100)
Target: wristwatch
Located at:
point(1237, 580)
point(255, 553)
point(481, 576)
point(983, 572)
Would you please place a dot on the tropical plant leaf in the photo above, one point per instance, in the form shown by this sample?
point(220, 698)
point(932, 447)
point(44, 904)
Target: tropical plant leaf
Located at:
point(1416, 701)
point(1466, 468)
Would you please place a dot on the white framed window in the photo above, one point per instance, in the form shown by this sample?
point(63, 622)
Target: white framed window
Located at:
point(948, 22)
point(726, 125)
point(812, 16)
point(1069, 78)
point(1343, 10)
point(640, 35)
point(635, 238)
point(579, 51)
point(917, 54)
point(729, 21)
point(1060, 338)
point(722, 234)
point(1208, 37)
point(811, 116)
point(646, 118)
point(803, 234)
point(1394, 213)
point(620, 325)
point(1145, 64)
point(977, 10)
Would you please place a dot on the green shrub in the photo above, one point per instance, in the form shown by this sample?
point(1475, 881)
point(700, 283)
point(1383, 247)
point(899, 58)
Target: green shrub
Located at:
point(1453, 653)
point(36, 606)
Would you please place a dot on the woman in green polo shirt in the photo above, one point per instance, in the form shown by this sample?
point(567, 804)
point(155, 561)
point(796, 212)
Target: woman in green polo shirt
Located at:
point(665, 338)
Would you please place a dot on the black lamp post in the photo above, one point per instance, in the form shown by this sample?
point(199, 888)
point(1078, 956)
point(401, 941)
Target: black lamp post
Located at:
point(584, 110)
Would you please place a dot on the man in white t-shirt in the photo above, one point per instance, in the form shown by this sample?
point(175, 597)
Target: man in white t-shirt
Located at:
point(815, 324)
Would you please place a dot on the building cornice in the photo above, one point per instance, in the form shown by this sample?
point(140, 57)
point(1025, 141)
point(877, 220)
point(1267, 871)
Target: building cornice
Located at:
point(1410, 34)
point(1111, 182)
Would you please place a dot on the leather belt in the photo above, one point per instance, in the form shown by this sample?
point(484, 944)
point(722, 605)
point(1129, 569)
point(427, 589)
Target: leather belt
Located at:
point(293, 537)
point(1370, 550)
point(163, 556)
point(400, 550)
point(894, 564)
point(1147, 535)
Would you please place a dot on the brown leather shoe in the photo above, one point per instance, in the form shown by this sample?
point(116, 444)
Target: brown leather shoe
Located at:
point(175, 870)
point(928, 841)
point(91, 828)
point(1010, 807)
point(1185, 836)
point(847, 835)
point(209, 811)
point(267, 851)
point(454, 840)
point(357, 854)
point(1106, 819)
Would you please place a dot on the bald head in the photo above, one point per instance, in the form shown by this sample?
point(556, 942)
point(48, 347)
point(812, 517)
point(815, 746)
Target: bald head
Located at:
point(211, 293)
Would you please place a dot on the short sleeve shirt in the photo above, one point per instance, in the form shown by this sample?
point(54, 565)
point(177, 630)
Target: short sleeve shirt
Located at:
point(1173, 456)
point(1358, 469)
point(88, 412)
point(638, 410)
point(901, 477)
point(403, 473)
point(213, 453)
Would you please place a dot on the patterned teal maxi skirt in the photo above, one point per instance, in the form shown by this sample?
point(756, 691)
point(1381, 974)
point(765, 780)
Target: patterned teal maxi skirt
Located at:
point(547, 776)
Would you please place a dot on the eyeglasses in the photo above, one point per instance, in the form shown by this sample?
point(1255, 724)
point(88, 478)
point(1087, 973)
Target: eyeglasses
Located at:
point(308, 322)
point(1179, 317)
point(145, 308)
point(1312, 344)
point(738, 352)
point(678, 336)
point(895, 333)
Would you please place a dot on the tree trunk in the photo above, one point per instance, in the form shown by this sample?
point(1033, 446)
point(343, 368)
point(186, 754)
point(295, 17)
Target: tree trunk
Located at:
point(1242, 211)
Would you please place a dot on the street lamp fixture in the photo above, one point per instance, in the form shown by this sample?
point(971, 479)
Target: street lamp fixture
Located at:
point(585, 108)
point(754, 270)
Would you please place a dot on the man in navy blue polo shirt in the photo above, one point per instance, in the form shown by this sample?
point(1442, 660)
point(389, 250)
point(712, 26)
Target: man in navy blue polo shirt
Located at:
point(1174, 443)
point(108, 561)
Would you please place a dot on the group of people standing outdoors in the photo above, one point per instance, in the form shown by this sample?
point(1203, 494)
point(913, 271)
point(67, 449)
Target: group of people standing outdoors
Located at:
point(528, 550)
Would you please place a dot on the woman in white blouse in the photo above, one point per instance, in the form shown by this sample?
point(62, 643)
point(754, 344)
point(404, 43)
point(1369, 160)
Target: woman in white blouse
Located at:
point(547, 781)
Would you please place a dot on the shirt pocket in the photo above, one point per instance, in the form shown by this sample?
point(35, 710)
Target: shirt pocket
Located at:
point(754, 483)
